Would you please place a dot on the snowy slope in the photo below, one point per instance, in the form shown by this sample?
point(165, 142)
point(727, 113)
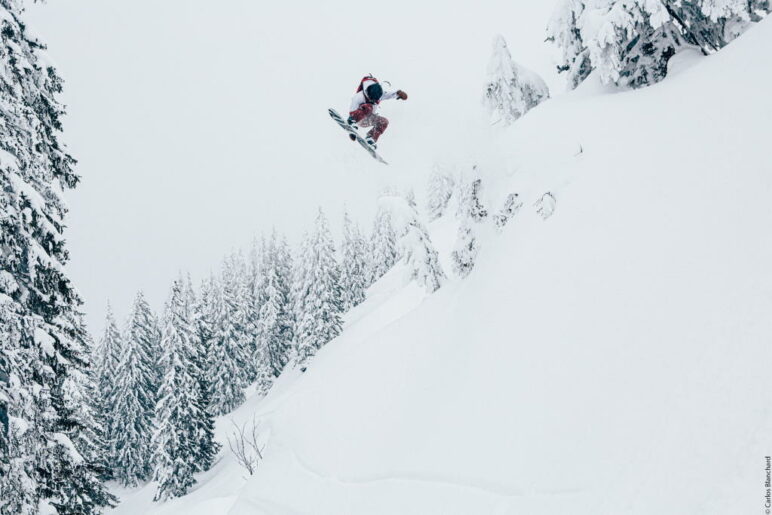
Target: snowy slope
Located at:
point(612, 358)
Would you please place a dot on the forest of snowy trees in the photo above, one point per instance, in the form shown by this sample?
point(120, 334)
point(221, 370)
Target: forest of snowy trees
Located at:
point(629, 42)
point(140, 404)
point(163, 379)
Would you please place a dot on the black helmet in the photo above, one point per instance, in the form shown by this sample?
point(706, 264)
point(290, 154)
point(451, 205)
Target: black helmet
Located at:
point(374, 92)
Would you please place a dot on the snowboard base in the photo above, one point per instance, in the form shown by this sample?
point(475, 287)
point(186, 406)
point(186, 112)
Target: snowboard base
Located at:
point(353, 132)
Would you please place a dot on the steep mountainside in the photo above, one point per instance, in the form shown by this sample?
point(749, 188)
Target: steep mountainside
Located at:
point(610, 358)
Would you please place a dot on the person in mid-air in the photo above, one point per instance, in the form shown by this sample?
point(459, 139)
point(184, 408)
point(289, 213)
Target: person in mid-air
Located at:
point(365, 104)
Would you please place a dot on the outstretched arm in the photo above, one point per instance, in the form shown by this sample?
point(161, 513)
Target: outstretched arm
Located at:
point(388, 95)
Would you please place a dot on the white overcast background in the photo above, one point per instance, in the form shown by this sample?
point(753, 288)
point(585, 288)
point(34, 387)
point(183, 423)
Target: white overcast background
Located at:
point(200, 124)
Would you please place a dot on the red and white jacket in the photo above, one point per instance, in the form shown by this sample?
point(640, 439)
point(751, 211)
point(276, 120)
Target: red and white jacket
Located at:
point(360, 97)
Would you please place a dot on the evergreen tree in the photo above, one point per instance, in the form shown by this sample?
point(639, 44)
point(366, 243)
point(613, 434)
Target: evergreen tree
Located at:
point(712, 24)
point(383, 246)
point(260, 355)
point(48, 450)
point(629, 42)
point(108, 357)
point(416, 248)
point(176, 441)
point(203, 325)
point(319, 293)
point(229, 356)
point(472, 214)
point(77, 488)
point(254, 297)
point(134, 398)
point(353, 270)
point(276, 319)
point(297, 292)
point(20, 410)
point(440, 191)
point(564, 30)
point(511, 90)
point(242, 316)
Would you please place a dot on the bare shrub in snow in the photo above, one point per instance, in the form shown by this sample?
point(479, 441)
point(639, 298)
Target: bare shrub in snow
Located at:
point(244, 443)
point(545, 206)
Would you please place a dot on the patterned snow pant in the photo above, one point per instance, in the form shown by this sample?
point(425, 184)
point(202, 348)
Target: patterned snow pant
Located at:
point(365, 117)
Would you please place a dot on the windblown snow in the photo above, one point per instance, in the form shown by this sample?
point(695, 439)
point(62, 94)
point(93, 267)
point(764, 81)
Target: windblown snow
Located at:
point(609, 353)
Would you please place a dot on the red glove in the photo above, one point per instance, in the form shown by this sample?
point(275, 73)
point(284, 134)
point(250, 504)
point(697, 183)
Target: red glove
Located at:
point(401, 95)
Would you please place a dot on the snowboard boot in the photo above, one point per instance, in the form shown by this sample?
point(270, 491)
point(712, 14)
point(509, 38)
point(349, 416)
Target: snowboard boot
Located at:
point(370, 141)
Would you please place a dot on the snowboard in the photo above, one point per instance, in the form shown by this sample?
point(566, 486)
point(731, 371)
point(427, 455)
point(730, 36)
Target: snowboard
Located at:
point(353, 132)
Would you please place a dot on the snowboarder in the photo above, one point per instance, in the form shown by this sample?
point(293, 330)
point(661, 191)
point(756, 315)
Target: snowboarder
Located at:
point(365, 104)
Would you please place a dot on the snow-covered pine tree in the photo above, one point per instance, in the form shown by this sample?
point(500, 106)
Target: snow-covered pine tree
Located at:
point(134, 399)
point(254, 298)
point(297, 292)
point(439, 192)
point(630, 42)
point(285, 264)
point(383, 246)
point(711, 24)
point(353, 267)
point(108, 356)
point(48, 346)
point(229, 350)
point(511, 90)
point(89, 401)
point(564, 31)
point(243, 316)
point(260, 356)
point(415, 246)
point(472, 213)
point(19, 410)
point(176, 442)
point(203, 332)
point(189, 294)
point(319, 293)
point(276, 320)
point(77, 467)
